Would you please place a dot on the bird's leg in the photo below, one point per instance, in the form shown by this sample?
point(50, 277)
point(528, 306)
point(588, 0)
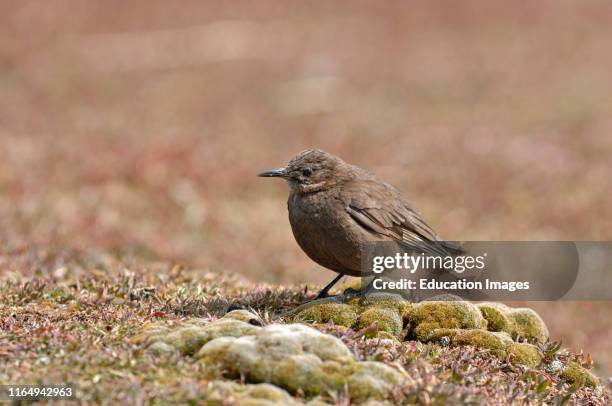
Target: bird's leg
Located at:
point(368, 288)
point(325, 291)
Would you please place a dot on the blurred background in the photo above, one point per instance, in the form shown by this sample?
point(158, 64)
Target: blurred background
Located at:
point(141, 127)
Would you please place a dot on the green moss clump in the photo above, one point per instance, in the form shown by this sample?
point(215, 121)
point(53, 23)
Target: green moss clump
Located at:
point(525, 354)
point(388, 320)
point(529, 325)
point(390, 301)
point(338, 313)
point(149, 334)
point(575, 373)
point(496, 315)
point(482, 339)
point(371, 380)
point(299, 359)
point(189, 337)
point(438, 334)
point(519, 323)
point(245, 316)
point(218, 392)
point(159, 348)
point(500, 343)
point(428, 316)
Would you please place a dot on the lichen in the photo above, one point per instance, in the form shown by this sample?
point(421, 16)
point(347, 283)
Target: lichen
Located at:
point(428, 316)
point(387, 320)
point(575, 373)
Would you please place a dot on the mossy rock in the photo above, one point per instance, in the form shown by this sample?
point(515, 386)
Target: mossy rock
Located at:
point(297, 358)
point(338, 313)
point(525, 354)
point(428, 316)
point(387, 320)
point(575, 373)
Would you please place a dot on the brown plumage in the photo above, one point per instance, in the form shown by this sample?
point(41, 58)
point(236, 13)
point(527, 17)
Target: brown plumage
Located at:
point(335, 207)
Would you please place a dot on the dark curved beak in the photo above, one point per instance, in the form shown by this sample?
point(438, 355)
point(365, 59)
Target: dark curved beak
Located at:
point(275, 173)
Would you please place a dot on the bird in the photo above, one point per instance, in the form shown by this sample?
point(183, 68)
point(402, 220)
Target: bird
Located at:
point(335, 207)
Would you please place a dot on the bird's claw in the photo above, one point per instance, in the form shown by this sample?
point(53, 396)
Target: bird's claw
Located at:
point(350, 294)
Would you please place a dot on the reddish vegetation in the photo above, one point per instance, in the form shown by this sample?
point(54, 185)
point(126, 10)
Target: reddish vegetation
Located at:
point(140, 131)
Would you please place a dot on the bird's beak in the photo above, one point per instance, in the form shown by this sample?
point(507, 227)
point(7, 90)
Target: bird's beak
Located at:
point(275, 173)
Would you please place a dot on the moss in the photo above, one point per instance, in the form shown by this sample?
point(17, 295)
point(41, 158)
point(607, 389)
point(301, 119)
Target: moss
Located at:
point(189, 337)
point(244, 316)
point(445, 297)
point(149, 334)
point(519, 323)
point(575, 373)
point(500, 343)
point(496, 315)
point(438, 334)
point(525, 354)
point(388, 320)
point(159, 348)
point(299, 359)
point(219, 392)
point(482, 339)
point(428, 316)
point(529, 325)
point(337, 313)
point(371, 380)
point(383, 335)
point(388, 300)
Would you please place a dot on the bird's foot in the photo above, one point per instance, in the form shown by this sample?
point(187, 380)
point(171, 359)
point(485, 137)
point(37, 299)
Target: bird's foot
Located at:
point(350, 294)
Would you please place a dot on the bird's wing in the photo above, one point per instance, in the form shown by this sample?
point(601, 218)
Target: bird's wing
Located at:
point(379, 208)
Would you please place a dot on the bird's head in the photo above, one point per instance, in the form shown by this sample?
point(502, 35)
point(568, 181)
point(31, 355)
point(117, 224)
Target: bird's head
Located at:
point(312, 170)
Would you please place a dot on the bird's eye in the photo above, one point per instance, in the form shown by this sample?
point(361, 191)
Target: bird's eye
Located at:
point(307, 171)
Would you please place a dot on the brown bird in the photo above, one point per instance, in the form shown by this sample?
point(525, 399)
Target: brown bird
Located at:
point(335, 207)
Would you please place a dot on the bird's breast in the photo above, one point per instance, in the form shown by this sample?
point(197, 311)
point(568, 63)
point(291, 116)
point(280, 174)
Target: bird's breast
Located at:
point(322, 228)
